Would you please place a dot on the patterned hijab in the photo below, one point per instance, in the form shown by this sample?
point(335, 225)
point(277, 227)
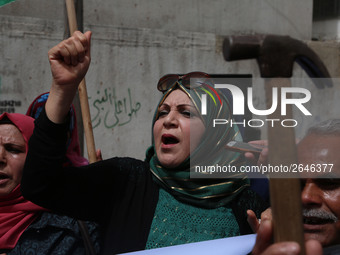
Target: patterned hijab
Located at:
point(203, 192)
point(16, 213)
point(73, 152)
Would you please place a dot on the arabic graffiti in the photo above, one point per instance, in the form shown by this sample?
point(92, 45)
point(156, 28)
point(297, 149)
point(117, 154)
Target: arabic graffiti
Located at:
point(112, 111)
point(9, 105)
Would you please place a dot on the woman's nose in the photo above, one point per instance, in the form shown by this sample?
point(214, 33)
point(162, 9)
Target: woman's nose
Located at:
point(2, 154)
point(171, 120)
point(311, 195)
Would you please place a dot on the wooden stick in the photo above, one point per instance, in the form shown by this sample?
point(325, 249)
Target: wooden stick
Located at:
point(285, 193)
point(82, 91)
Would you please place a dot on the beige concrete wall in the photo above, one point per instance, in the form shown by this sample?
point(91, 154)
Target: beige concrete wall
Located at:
point(134, 44)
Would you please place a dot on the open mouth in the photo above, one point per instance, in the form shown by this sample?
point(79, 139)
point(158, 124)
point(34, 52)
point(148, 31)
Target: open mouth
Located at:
point(169, 139)
point(3, 178)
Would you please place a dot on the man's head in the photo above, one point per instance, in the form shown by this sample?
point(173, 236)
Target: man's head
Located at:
point(319, 152)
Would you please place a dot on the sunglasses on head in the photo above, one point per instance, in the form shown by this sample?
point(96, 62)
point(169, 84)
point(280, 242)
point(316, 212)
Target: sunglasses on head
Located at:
point(167, 81)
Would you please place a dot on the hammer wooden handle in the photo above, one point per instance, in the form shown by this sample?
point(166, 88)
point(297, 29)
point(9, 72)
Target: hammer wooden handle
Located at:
point(285, 193)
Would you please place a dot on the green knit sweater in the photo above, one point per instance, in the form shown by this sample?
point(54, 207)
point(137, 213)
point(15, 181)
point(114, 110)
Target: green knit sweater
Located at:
point(177, 223)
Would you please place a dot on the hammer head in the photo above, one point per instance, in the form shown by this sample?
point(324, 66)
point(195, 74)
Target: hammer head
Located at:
point(275, 55)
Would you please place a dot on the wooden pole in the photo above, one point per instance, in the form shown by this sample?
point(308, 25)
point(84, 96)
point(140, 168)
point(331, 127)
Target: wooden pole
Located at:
point(82, 91)
point(285, 192)
point(87, 124)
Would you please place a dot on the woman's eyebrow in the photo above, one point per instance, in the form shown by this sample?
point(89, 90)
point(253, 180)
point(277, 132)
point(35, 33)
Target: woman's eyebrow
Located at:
point(13, 143)
point(179, 105)
point(190, 105)
point(16, 144)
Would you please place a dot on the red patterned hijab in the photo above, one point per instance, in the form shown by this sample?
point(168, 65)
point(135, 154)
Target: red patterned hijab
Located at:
point(16, 213)
point(73, 153)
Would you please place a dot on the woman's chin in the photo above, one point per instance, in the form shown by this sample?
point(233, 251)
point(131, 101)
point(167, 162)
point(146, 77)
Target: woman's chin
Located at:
point(168, 163)
point(171, 159)
point(169, 166)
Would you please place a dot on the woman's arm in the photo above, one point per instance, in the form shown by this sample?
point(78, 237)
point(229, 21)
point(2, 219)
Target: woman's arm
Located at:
point(75, 191)
point(45, 181)
point(119, 191)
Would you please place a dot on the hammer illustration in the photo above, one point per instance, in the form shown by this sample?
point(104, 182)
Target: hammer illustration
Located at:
point(275, 56)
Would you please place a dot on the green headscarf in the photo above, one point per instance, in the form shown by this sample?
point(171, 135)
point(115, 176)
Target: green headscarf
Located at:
point(206, 192)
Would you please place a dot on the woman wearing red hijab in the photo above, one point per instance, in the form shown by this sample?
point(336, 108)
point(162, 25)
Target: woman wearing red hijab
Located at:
point(73, 154)
point(26, 228)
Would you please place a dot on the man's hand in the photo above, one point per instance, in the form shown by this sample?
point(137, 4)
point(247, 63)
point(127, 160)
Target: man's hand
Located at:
point(254, 222)
point(99, 156)
point(264, 241)
point(258, 159)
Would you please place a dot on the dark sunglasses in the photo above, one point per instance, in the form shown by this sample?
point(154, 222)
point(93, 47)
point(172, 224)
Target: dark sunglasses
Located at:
point(167, 81)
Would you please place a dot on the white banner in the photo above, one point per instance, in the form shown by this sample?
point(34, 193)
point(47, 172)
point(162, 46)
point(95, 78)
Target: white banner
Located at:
point(238, 245)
